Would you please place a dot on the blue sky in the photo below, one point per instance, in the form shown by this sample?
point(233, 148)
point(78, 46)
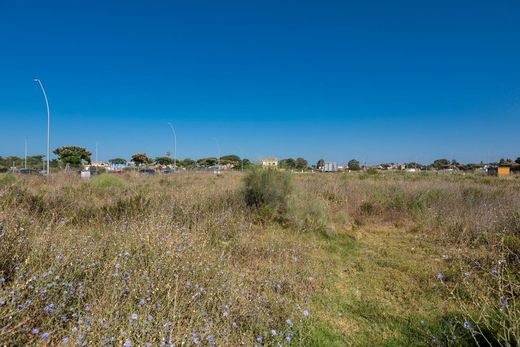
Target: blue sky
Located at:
point(374, 80)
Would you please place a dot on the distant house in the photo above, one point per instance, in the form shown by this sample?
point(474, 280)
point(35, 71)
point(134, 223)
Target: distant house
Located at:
point(330, 166)
point(500, 171)
point(270, 162)
point(99, 163)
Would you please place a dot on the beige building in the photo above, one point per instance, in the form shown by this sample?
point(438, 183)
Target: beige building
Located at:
point(270, 162)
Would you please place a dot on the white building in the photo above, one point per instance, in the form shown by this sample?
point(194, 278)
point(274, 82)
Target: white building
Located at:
point(270, 162)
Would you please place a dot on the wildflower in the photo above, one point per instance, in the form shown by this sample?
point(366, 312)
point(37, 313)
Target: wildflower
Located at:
point(501, 262)
point(494, 272)
point(87, 308)
point(35, 331)
point(45, 336)
point(2, 302)
point(289, 322)
point(141, 302)
point(504, 303)
point(273, 333)
point(440, 276)
point(118, 266)
point(225, 314)
point(259, 339)
point(235, 325)
point(49, 308)
point(195, 339)
point(468, 325)
point(2, 280)
point(134, 316)
point(66, 340)
point(466, 274)
point(306, 313)
point(421, 322)
point(128, 343)
point(288, 337)
point(149, 318)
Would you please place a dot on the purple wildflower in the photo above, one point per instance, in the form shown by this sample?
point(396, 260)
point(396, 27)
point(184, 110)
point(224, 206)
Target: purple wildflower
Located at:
point(468, 325)
point(128, 343)
point(306, 313)
point(440, 276)
point(35, 331)
point(45, 336)
point(504, 303)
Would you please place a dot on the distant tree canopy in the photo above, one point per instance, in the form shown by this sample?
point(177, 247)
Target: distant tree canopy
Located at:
point(207, 162)
point(164, 160)
point(230, 159)
point(517, 160)
point(140, 159)
point(413, 165)
point(505, 161)
point(320, 164)
point(73, 155)
point(288, 163)
point(117, 161)
point(440, 164)
point(188, 163)
point(353, 165)
point(301, 164)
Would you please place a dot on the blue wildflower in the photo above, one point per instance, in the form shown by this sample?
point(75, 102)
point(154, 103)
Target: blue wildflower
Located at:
point(66, 340)
point(45, 336)
point(440, 276)
point(468, 325)
point(127, 343)
point(289, 322)
point(35, 331)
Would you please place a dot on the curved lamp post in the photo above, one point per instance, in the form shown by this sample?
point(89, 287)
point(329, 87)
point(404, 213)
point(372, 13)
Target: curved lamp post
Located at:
point(174, 146)
point(48, 127)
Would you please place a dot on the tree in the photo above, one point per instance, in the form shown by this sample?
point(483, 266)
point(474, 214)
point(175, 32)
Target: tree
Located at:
point(353, 165)
point(320, 164)
point(140, 159)
point(517, 160)
point(164, 160)
point(117, 161)
point(301, 164)
point(188, 163)
point(73, 155)
point(440, 164)
point(288, 163)
point(207, 162)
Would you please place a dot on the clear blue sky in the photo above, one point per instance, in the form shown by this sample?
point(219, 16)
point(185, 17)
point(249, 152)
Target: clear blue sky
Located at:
point(374, 80)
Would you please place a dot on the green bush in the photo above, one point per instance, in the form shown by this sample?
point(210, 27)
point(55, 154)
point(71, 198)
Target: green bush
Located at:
point(7, 179)
point(107, 181)
point(268, 190)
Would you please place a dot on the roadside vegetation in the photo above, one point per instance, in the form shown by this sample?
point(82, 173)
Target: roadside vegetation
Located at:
point(265, 258)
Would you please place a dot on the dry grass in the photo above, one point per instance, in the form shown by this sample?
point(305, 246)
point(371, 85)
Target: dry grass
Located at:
point(182, 259)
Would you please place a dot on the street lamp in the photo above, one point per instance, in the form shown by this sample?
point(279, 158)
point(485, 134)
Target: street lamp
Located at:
point(174, 146)
point(48, 127)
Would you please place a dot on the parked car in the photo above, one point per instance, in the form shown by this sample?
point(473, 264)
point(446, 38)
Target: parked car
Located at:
point(147, 171)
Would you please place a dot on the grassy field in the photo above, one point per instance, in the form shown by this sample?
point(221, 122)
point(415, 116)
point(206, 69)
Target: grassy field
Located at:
point(265, 258)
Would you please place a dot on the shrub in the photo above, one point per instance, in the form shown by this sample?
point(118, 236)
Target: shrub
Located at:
point(268, 189)
point(106, 181)
point(307, 213)
point(7, 179)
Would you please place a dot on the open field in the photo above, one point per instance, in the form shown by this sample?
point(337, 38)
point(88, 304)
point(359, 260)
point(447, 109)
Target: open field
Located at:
point(271, 259)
